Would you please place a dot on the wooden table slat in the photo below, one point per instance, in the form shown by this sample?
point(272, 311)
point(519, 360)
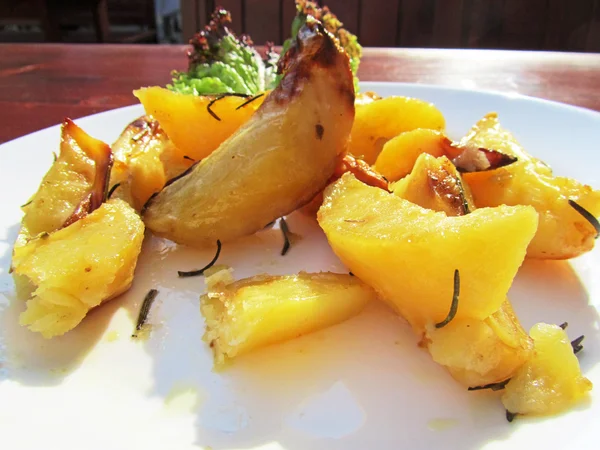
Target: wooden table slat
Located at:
point(42, 84)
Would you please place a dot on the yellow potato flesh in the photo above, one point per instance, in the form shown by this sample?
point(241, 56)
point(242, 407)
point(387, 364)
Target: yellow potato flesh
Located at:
point(409, 254)
point(400, 154)
point(80, 266)
point(379, 121)
point(562, 233)
point(263, 310)
point(551, 381)
point(145, 159)
point(480, 352)
point(187, 121)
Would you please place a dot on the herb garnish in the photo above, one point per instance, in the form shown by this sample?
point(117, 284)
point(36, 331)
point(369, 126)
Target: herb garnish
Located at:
point(194, 273)
point(576, 344)
point(454, 305)
point(219, 97)
point(144, 310)
point(586, 215)
point(250, 100)
point(112, 190)
point(286, 239)
point(493, 386)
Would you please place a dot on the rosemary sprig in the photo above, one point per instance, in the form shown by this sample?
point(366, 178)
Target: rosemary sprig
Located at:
point(286, 239)
point(188, 158)
point(493, 386)
point(454, 305)
point(27, 204)
point(576, 344)
point(564, 325)
point(463, 197)
point(144, 310)
point(510, 416)
point(586, 215)
point(250, 100)
point(219, 97)
point(112, 190)
point(194, 273)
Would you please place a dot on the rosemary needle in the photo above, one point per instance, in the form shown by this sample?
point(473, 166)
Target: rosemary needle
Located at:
point(194, 273)
point(454, 305)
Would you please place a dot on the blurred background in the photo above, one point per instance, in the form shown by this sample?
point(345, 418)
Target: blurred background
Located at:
point(567, 25)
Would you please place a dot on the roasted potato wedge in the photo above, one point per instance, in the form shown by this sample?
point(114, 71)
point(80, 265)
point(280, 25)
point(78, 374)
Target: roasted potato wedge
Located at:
point(145, 159)
point(78, 267)
point(563, 232)
point(551, 380)
point(262, 310)
point(276, 162)
point(68, 184)
point(379, 121)
point(197, 125)
point(387, 242)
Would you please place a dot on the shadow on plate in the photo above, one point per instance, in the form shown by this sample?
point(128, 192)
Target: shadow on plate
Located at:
point(27, 357)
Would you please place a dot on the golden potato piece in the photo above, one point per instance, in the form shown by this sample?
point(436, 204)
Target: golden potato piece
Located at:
point(67, 184)
point(188, 121)
point(400, 154)
point(563, 232)
point(434, 183)
point(409, 254)
point(145, 159)
point(79, 267)
point(550, 381)
point(277, 162)
point(379, 121)
point(262, 310)
point(481, 352)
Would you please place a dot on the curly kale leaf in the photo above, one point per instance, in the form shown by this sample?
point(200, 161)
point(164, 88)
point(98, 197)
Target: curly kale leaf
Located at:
point(220, 62)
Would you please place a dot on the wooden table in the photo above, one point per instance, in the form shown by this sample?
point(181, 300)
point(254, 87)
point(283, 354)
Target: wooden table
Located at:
point(42, 84)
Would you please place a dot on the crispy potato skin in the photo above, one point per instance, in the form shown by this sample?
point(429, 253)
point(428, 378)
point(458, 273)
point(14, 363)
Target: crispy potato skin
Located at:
point(435, 184)
point(66, 190)
point(276, 162)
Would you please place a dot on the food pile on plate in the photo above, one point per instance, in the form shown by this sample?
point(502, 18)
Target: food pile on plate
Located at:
point(435, 228)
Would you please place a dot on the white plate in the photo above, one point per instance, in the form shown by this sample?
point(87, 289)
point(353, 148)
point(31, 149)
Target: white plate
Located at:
point(363, 384)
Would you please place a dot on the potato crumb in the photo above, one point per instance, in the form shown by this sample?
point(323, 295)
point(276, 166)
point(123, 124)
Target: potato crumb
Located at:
point(218, 275)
